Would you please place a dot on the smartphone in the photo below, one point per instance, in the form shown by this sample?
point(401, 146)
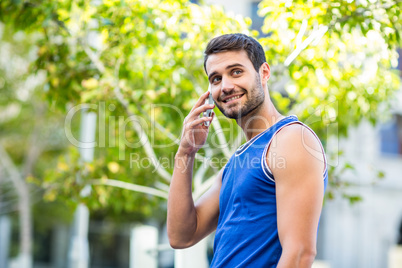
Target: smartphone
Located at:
point(210, 100)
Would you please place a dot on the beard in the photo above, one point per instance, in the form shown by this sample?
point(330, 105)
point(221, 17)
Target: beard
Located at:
point(255, 97)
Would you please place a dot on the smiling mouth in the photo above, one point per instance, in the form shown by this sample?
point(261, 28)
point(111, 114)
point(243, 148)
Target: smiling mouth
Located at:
point(233, 98)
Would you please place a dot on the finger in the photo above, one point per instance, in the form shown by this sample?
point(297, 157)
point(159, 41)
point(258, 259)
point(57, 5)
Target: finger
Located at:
point(201, 100)
point(207, 124)
point(200, 121)
point(203, 108)
point(196, 112)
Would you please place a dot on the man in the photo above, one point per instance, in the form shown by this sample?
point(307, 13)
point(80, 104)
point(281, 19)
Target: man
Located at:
point(266, 202)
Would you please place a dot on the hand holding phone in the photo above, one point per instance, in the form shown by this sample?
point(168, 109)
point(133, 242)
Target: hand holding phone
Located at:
point(210, 100)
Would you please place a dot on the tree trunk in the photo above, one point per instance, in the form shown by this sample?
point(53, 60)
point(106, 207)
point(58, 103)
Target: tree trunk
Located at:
point(25, 257)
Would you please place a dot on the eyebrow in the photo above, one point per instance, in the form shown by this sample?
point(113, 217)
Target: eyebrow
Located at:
point(227, 67)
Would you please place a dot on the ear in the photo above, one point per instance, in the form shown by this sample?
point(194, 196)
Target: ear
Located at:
point(265, 72)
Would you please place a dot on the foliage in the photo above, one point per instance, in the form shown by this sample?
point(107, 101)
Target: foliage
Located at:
point(139, 64)
point(31, 137)
point(31, 134)
point(349, 50)
point(336, 58)
point(126, 58)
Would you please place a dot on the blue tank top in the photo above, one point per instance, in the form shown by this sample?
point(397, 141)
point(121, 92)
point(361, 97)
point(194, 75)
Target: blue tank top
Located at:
point(247, 232)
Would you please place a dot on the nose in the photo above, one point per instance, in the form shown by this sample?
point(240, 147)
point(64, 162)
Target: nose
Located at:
point(227, 85)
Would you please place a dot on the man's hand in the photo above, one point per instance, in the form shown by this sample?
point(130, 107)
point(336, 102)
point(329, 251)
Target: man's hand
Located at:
point(188, 223)
point(195, 132)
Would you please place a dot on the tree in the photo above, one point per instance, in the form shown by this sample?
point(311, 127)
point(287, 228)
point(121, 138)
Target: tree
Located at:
point(139, 65)
point(30, 135)
point(146, 55)
point(337, 57)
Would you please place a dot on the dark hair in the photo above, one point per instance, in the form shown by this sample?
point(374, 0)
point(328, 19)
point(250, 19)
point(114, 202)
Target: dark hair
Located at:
point(236, 42)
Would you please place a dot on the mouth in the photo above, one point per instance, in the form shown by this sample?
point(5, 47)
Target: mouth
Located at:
point(232, 98)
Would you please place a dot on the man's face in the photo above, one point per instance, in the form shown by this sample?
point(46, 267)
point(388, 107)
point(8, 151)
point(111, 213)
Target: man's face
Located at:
point(236, 86)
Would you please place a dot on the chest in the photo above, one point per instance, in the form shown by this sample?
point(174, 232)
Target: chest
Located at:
point(245, 188)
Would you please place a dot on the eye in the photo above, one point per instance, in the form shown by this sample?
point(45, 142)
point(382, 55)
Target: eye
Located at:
point(237, 72)
point(216, 79)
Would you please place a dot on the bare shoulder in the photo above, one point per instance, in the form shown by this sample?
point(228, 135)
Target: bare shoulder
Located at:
point(298, 147)
point(299, 187)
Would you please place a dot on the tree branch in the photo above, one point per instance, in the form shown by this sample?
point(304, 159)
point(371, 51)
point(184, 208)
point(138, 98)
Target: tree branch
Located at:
point(36, 147)
point(140, 131)
point(94, 58)
point(237, 142)
point(204, 187)
point(221, 137)
point(23, 203)
point(172, 137)
point(130, 186)
point(199, 175)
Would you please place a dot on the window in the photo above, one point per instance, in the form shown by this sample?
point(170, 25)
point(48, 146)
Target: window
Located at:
point(391, 136)
point(257, 21)
point(400, 235)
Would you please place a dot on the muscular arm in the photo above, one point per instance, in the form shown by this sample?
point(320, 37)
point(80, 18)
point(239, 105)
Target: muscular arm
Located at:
point(188, 223)
point(299, 190)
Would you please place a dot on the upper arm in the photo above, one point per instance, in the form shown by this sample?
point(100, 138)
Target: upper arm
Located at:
point(207, 210)
point(299, 186)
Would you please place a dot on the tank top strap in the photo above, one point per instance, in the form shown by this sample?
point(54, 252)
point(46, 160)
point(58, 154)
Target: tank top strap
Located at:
point(262, 138)
point(264, 163)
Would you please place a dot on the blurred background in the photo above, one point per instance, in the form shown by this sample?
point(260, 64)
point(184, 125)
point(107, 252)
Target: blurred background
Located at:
point(92, 99)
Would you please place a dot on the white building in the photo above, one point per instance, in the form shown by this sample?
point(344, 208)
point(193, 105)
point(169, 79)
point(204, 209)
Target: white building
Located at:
point(362, 235)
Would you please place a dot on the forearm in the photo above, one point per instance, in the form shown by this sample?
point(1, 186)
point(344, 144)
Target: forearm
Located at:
point(302, 258)
point(181, 216)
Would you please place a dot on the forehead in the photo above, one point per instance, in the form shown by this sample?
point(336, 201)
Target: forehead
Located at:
point(219, 61)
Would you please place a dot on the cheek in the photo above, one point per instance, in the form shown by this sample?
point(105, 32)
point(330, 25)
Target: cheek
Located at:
point(246, 82)
point(215, 93)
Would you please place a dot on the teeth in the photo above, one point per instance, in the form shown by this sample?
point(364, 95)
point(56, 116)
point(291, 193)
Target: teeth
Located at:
point(233, 98)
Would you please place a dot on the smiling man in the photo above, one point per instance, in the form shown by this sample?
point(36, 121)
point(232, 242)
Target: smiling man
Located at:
point(264, 214)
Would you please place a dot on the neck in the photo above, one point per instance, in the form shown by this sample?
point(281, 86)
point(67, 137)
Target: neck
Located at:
point(260, 119)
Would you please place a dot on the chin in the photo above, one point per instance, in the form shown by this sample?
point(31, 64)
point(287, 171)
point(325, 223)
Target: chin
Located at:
point(231, 113)
point(234, 115)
